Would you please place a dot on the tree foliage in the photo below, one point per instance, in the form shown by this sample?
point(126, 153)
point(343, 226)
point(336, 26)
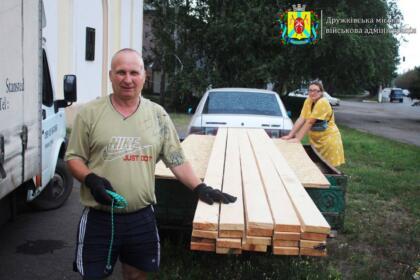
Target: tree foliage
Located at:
point(410, 80)
point(225, 43)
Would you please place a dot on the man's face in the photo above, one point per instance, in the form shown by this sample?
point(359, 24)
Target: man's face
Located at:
point(127, 75)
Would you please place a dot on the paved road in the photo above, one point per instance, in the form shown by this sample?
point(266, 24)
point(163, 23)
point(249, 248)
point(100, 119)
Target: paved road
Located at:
point(397, 121)
point(40, 245)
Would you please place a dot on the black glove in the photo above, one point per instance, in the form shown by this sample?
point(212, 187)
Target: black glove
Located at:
point(98, 186)
point(210, 195)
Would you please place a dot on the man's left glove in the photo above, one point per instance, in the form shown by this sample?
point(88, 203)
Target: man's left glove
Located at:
point(210, 195)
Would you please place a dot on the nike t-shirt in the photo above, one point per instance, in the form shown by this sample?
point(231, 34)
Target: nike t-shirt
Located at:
point(124, 150)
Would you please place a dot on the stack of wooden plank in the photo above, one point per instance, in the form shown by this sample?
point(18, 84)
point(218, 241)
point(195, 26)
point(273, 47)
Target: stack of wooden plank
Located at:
point(198, 148)
point(272, 209)
point(206, 225)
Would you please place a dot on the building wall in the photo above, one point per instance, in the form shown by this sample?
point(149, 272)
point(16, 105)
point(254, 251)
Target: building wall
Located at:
point(118, 24)
point(65, 60)
point(137, 24)
point(89, 73)
point(114, 24)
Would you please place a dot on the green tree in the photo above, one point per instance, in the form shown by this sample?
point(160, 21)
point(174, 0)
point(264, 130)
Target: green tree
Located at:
point(233, 43)
point(410, 80)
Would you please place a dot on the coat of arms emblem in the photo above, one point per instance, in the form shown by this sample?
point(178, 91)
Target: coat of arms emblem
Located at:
point(297, 26)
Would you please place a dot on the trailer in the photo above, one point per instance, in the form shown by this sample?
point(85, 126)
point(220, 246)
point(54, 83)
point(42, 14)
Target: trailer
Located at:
point(176, 204)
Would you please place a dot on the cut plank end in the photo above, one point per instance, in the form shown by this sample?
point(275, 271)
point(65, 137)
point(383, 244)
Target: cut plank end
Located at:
point(208, 247)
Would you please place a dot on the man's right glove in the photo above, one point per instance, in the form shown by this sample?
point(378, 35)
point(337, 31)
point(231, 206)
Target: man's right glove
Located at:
point(210, 195)
point(98, 186)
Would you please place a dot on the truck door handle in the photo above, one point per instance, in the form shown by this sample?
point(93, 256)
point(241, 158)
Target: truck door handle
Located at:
point(44, 114)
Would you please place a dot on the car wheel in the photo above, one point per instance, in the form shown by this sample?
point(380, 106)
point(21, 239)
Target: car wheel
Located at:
point(401, 100)
point(57, 191)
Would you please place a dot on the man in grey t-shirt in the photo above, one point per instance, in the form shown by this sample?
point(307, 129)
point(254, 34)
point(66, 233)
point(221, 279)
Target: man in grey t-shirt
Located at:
point(114, 146)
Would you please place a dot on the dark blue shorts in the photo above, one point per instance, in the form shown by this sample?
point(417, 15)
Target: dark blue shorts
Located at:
point(136, 242)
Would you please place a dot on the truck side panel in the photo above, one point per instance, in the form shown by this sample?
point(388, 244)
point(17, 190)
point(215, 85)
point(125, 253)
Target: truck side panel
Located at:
point(33, 69)
point(19, 91)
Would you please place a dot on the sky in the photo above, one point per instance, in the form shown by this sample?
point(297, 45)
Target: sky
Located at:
point(411, 49)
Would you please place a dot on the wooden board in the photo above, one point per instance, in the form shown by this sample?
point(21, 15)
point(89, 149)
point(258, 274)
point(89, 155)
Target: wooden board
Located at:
point(211, 234)
point(257, 211)
point(232, 214)
point(197, 246)
point(247, 246)
point(290, 251)
point(197, 150)
point(231, 233)
point(292, 236)
point(203, 244)
point(258, 240)
point(203, 240)
point(313, 236)
point(282, 210)
point(207, 216)
point(285, 243)
point(256, 231)
point(306, 170)
point(313, 252)
point(310, 217)
point(311, 243)
point(229, 243)
point(254, 247)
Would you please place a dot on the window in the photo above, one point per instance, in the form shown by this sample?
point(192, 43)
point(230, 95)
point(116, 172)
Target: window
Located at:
point(254, 103)
point(47, 91)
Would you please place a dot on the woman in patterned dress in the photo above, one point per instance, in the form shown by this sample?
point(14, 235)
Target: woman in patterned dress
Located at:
point(317, 119)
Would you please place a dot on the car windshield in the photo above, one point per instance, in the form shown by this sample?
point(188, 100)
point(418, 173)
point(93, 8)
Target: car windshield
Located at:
point(255, 103)
point(397, 92)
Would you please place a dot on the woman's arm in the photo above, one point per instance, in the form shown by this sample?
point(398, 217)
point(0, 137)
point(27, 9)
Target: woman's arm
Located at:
point(305, 127)
point(298, 124)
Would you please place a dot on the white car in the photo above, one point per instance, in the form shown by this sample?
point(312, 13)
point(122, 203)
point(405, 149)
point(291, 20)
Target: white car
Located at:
point(333, 100)
point(240, 107)
point(299, 93)
point(385, 94)
point(304, 94)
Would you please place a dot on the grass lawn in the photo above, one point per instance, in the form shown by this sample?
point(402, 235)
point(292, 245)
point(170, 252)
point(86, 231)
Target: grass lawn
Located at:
point(380, 239)
point(180, 119)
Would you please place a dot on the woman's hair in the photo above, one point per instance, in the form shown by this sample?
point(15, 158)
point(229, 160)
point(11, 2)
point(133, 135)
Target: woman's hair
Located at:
point(317, 83)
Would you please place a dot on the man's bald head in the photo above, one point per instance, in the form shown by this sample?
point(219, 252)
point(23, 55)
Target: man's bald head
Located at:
point(127, 75)
point(124, 51)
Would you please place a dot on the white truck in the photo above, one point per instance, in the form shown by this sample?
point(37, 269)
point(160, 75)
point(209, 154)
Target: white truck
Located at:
point(32, 121)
